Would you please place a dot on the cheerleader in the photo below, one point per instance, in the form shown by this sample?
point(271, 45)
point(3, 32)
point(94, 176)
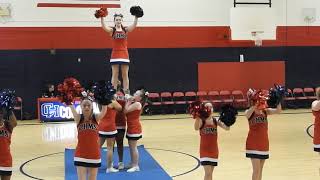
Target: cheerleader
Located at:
point(316, 113)
point(133, 109)
point(108, 132)
point(257, 144)
point(6, 128)
point(87, 157)
point(207, 125)
point(121, 127)
point(120, 55)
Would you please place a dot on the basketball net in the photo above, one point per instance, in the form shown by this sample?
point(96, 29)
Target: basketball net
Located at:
point(256, 37)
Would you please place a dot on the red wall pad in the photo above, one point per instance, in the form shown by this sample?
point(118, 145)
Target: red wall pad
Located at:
point(240, 76)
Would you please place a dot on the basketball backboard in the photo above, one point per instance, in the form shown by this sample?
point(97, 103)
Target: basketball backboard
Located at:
point(245, 20)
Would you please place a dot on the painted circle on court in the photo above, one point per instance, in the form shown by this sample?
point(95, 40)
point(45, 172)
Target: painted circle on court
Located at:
point(308, 130)
point(47, 155)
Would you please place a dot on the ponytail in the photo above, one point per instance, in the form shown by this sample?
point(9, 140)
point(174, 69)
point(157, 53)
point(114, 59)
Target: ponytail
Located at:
point(144, 97)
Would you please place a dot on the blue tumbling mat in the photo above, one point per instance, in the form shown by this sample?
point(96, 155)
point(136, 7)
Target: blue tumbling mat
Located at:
point(149, 168)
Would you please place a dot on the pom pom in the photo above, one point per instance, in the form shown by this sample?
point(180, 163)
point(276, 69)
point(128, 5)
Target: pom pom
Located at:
point(228, 115)
point(276, 95)
point(136, 11)
point(273, 98)
point(251, 94)
point(7, 99)
point(258, 97)
point(204, 112)
point(102, 12)
point(194, 108)
point(103, 92)
point(198, 109)
point(69, 90)
point(263, 97)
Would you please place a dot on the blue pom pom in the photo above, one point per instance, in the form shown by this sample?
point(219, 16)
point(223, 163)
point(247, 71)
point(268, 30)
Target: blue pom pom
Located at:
point(276, 95)
point(7, 99)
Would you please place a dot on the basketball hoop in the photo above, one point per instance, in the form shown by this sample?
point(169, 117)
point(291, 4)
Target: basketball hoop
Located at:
point(256, 37)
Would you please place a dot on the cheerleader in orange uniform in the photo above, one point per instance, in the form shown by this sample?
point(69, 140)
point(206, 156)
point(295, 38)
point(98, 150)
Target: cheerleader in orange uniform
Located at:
point(257, 144)
point(120, 55)
point(6, 128)
point(108, 131)
point(87, 155)
point(316, 112)
point(207, 125)
point(121, 128)
point(133, 110)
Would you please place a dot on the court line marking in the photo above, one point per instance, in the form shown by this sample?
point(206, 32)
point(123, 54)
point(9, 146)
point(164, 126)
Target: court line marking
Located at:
point(25, 163)
point(181, 174)
point(193, 169)
point(308, 130)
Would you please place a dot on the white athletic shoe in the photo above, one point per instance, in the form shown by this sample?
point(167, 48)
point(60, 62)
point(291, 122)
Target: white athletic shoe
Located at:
point(133, 169)
point(128, 166)
point(120, 165)
point(112, 170)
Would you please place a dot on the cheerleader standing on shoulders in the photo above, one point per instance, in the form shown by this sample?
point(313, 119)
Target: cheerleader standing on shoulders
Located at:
point(119, 33)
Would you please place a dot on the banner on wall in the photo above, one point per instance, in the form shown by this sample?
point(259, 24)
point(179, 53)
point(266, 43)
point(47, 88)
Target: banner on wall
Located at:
point(56, 111)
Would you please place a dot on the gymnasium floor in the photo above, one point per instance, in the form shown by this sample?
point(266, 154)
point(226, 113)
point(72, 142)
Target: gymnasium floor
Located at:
point(173, 143)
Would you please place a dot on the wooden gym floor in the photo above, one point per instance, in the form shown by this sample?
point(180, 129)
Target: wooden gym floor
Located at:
point(173, 143)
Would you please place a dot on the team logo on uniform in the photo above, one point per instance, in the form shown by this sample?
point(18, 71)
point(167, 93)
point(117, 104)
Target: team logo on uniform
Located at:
point(120, 36)
point(89, 126)
point(209, 130)
point(4, 133)
point(259, 119)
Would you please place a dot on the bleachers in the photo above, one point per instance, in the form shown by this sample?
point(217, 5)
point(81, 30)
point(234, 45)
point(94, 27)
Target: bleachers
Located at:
point(175, 102)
